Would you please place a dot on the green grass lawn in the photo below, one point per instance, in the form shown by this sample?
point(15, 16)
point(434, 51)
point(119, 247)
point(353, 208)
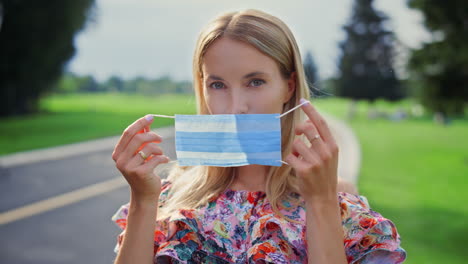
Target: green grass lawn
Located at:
point(415, 174)
point(413, 171)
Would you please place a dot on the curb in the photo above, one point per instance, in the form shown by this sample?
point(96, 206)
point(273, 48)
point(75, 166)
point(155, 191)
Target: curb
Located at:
point(350, 155)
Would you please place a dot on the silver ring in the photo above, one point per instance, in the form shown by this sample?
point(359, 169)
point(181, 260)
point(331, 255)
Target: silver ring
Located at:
point(142, 154)
point(315, 137)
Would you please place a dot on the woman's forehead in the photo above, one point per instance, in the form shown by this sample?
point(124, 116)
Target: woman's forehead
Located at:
point(233, 57)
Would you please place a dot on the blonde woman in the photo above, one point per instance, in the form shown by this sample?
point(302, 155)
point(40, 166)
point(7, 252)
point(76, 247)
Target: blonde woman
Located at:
point(248, 62)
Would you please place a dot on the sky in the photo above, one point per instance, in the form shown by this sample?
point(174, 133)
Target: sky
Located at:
point(154, 38)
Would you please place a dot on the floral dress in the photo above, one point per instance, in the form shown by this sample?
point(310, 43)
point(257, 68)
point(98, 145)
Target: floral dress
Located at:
point(241, 227)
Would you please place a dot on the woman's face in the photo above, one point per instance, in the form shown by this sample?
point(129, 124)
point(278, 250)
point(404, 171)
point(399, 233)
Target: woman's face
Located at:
point(239, 79)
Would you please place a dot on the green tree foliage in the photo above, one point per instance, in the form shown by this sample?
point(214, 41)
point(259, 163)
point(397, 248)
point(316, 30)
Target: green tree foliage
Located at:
point(366, 63)
point(439, 69)
point(89, 84)
point(68, 84)
point(36, 41)
point(1, 15)
point(310, 69)
point(114, 83)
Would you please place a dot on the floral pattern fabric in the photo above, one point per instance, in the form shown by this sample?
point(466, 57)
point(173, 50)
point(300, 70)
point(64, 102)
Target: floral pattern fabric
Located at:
point(241, 227)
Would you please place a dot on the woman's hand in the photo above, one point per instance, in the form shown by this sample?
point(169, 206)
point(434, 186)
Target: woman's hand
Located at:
point(316, 166)
point(137, 170)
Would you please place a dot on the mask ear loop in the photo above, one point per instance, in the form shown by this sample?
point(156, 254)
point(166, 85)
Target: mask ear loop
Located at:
point(164, 116)
point(287, 112)
point(292, 109)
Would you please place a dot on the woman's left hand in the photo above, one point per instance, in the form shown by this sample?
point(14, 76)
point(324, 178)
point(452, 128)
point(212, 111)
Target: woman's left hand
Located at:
point(316, 166)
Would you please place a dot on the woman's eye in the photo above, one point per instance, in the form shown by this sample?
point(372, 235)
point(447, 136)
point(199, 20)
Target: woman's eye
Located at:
point(256, 82)
point(217, 85)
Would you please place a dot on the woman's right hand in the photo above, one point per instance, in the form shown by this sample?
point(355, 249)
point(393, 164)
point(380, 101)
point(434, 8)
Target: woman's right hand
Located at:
point(139, 172)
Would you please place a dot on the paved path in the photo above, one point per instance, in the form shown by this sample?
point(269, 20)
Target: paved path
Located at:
point(56, 204)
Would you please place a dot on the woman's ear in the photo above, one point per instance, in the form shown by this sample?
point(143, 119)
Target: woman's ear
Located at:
point(291, 87)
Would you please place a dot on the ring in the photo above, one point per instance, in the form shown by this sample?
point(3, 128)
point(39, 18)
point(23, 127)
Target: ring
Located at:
point(142, 154)
point(315, 137)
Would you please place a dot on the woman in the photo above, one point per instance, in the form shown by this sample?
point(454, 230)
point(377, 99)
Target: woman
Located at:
point(248, 63)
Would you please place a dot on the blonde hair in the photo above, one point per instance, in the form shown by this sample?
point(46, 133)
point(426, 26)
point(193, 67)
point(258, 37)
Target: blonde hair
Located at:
point(195, 186)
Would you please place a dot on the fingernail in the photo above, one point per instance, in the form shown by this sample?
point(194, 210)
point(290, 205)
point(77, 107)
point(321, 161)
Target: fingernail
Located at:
point(303, 101)
point(149, 117)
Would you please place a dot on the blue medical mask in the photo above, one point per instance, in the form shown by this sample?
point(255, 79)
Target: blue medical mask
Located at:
point(228, 140)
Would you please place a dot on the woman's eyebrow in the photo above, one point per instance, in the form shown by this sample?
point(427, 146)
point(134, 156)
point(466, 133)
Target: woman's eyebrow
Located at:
point(249, 75)
point(214, 77)
point(253, 74)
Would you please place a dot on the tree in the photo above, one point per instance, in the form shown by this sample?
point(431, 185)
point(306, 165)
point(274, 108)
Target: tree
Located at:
point(88, 84)
point(439, 69)
point(67, 84)
point(115, 83)
point(1, 15)
point(36, 41)
point(366, 63)
point(310, 69)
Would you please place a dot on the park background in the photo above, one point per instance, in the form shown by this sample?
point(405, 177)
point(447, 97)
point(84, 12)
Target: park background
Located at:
point(394, 71)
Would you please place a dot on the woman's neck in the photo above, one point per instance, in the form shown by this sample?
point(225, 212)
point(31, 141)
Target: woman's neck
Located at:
point(250, 178)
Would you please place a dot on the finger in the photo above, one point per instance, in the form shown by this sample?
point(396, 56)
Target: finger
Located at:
point(298, 164)
point(317, 120)
point(309, 130)
point(153, 162)
point(139, 141)
point(145, 129)
point(148, 150)
point(306, 153)
point(139, 125)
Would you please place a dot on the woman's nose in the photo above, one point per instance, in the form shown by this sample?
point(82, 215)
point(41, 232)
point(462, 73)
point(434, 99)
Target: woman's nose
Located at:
point(239, 103)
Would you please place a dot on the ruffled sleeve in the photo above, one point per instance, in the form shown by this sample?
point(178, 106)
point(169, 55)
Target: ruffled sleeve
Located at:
point(120, 219)
point(369, 237)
